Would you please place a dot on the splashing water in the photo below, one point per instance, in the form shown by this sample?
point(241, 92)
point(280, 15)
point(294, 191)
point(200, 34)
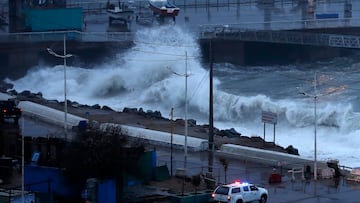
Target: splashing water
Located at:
point(152, 75)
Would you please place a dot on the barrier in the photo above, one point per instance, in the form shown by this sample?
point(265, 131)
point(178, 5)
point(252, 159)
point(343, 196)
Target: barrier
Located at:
point(50, 115)
point(265, 156)
point(158, 137)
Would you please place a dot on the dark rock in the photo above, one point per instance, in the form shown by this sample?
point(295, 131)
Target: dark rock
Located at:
point(12, 92)
point(96, 106)
point(257, 139)
point(130, 110)
point(292, 150)
point(106, 108)
point(192, 122)
point(154, 114)
point(229, 133)
point(76, 104)
point(84, 106)
point(25, 93)
point(141, 112)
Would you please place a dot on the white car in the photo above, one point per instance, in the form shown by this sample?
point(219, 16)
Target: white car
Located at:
point(239, 193)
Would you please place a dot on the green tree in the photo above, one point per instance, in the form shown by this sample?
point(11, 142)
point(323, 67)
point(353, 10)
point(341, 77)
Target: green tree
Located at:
point(101, 154)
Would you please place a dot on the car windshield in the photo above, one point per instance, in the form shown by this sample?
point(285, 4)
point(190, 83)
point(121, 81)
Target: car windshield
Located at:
point(222, 190)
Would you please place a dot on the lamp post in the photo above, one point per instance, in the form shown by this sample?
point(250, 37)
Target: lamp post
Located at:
point(64, 56)
point(22, 161)
point(315, 96)
point(171, 141)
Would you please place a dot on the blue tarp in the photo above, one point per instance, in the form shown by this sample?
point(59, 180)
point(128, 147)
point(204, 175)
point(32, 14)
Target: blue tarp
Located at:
point(107, 192)
point(48, 179)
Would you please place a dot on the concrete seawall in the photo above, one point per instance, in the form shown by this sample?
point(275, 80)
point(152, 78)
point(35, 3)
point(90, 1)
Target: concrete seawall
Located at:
point(56, 117)
point(265, 156)
point(160, 138)
point(49, 115)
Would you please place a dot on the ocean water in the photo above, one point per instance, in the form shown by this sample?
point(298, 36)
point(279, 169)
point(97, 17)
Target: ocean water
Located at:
point(163, 69)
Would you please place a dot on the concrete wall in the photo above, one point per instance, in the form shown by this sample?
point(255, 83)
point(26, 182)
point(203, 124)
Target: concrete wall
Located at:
point(265, 156)
point(49, 115)
point(161, 138)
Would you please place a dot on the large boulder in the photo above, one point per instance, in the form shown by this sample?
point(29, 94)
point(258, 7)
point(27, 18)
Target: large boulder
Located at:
point(292, 150)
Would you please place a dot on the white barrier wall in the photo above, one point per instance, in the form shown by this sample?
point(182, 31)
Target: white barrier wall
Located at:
point(49, 115)
point(158, 137)
point(265, 156)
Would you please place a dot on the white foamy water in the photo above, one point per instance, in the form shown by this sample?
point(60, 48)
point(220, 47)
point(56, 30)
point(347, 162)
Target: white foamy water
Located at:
point(151, 75)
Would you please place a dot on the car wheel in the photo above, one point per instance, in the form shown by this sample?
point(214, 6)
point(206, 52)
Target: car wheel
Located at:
point(239, 201)
point(263, 199)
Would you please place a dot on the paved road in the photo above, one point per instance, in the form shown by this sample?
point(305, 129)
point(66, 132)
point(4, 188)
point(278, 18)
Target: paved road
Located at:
point(302, 191)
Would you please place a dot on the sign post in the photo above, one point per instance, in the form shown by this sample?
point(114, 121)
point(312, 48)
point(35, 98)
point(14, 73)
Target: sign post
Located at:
point(269, 117)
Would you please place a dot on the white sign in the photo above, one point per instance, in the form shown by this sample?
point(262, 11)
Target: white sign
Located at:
point(269, 117)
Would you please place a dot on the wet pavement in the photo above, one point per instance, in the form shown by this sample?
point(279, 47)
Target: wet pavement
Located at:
point(324, 190)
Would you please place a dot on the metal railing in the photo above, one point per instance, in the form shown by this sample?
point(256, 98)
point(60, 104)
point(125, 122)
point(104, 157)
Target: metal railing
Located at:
point(290, 24)
point(206, 32)
point(286, 37)
point(30, 37)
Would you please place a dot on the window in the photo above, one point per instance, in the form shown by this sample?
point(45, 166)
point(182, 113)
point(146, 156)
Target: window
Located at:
point(253, 188)
point(222, 190)
point(235, 190)
point(246, 188)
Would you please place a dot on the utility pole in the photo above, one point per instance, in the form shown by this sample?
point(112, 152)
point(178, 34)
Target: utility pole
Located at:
point(186, 75)
point(186, 109)
point(171, 141)
point(211, 116)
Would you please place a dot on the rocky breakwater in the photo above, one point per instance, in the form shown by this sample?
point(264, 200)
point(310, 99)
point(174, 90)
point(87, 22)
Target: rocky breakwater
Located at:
point(153, 120)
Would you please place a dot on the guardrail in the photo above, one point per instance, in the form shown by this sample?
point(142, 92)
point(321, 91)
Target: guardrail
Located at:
point(227, 32)
point(27, 37)
point(286, 37)
point(291, 24)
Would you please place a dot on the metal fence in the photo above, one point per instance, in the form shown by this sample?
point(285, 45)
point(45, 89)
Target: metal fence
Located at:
point(30, 37)
point(276, 36)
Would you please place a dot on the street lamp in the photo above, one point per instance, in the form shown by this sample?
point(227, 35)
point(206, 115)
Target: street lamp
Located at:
point(22, 161)
point(64, 56)
point(315, 96)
